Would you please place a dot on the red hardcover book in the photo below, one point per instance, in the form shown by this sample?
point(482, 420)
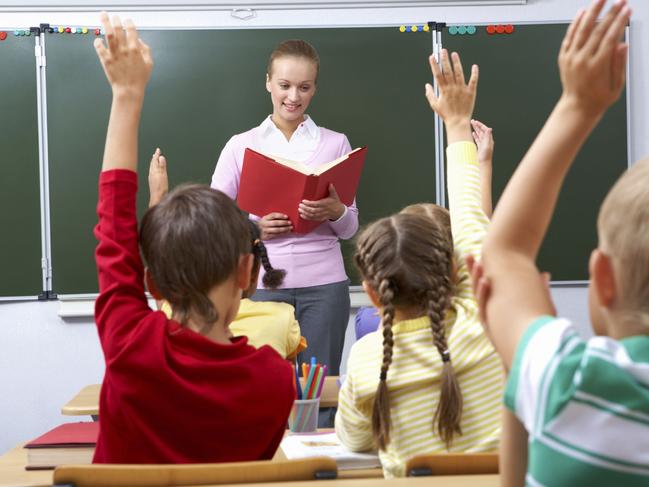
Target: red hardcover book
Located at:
point(278, 185)
point(69, 443)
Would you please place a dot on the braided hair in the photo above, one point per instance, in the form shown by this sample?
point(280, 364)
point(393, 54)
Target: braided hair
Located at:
point(272, 277)
point(407, 259)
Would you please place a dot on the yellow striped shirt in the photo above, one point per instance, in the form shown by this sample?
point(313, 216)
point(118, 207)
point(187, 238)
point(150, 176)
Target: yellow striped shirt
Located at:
point(414, 376)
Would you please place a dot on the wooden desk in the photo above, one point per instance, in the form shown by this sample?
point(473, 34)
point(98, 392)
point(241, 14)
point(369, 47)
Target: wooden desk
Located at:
point(85, 403)
point(13, 473)
point(441, 481)
point(12, 470)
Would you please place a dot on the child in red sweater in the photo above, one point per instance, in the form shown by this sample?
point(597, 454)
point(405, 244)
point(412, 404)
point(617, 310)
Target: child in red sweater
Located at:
point(174, 391)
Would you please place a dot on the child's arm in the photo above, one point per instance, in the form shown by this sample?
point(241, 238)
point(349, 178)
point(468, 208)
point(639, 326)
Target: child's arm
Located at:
point(121, 302)
point(455, 105)
point(484, 140)
point(158, 179)
point(353, 427)
point(513, 451)
point(158, 188)
point(592, 64)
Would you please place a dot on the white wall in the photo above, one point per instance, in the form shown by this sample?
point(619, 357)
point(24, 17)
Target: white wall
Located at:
point(45, 360)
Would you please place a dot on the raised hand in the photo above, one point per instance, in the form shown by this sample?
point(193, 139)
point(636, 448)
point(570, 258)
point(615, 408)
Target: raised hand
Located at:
point(329, 208)
point(456, 98)
point(158, 179)
point(484, 140)
point(126, 59)
point(592, 59)
point(127, 63)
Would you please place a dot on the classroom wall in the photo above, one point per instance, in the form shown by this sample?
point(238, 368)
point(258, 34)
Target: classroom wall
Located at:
point(44, 360)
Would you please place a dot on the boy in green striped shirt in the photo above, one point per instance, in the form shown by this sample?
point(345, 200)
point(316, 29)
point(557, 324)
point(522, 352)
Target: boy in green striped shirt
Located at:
point(577, 411)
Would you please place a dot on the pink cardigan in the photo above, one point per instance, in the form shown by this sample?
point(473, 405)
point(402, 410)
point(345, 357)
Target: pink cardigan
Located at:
point(311, 259)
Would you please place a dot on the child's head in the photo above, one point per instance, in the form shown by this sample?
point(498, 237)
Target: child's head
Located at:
point(291, 78)
point(406, 264)
point(192, 241)
point(272, 277)
point(619, 267)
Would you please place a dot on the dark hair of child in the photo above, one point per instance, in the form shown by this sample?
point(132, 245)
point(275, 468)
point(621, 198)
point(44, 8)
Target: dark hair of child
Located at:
point(272, 277)
point(192, 241)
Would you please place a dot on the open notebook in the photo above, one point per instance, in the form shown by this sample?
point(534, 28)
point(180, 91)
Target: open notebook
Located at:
point(300, 445)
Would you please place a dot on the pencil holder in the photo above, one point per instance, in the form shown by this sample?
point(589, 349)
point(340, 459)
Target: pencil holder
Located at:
point(304, 415)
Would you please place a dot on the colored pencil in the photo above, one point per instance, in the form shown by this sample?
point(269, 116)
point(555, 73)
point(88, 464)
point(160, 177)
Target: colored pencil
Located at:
point(315, 384)
point(298, 386)
point(321, 385)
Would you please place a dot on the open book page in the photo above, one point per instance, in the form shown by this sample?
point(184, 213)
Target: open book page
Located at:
point(304, 169)
point(328, 445)
point(298, 166)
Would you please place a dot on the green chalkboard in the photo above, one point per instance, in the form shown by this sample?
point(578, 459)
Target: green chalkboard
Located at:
point(519, 85)
point(20, 216)
point(208, 85)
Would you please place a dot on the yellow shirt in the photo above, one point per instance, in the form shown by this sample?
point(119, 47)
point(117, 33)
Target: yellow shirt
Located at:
point(264, 323)
point(414, 376)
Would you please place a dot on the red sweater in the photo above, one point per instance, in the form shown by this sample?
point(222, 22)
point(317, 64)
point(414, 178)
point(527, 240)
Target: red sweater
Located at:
point(171, 395)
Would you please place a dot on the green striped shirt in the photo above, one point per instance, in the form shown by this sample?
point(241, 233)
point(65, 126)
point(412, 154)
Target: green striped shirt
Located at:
point(585, 405)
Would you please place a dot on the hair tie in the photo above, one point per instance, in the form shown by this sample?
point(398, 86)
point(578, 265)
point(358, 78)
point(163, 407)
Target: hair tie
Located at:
point(384, 375)
point(446, 356)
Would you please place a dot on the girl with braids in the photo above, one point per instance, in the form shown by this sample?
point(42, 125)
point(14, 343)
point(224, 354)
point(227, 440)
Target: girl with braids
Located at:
point(367, 318)
point(428, 381)
point(263, 322)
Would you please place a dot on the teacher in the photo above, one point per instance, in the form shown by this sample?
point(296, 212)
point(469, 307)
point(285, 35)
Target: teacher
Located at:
point(316, 283)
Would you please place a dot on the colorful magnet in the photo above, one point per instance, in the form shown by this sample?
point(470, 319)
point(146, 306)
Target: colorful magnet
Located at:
point(413, 28)
point(491, 29)
point(61, 30)
point(500, 29)
point(3, 35)
point(68, 30)
point(84, 30)
point(97, 32)
point(509, 28)
point(461, 30)
point(452, 30)
point(402, 28)
point(426, 28)
point(471, 30)
point(28, 32)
